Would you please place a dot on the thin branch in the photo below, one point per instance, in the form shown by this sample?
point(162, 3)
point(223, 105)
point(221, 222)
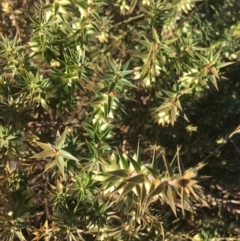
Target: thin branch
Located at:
point(235, 145)
point(237, 130)
point(128, 20)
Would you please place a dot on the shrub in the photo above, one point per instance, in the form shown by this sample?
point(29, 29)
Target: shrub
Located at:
point(94, 103)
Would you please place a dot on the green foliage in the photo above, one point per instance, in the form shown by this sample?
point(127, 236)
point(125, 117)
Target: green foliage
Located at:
point(94, 98)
